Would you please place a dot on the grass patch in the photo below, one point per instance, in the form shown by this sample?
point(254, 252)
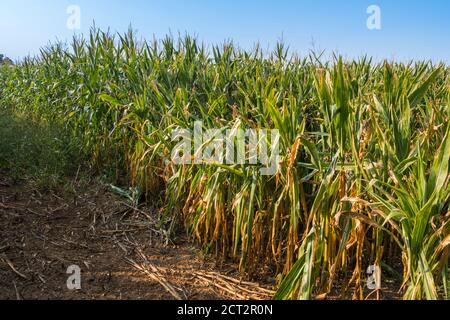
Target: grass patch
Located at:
point(37, 150)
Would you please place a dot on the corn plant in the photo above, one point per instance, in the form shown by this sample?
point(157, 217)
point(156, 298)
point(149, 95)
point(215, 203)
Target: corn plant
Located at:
point(362, 177)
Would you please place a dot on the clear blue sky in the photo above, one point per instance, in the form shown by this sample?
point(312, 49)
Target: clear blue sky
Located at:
point(418, 29)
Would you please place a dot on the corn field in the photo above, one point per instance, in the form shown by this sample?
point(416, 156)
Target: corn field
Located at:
point(363, 177)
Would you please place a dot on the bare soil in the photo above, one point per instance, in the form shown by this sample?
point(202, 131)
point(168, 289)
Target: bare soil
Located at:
point(121, 252)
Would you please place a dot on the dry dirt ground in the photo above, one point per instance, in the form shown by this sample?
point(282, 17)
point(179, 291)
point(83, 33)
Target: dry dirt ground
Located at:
point(121, 252)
